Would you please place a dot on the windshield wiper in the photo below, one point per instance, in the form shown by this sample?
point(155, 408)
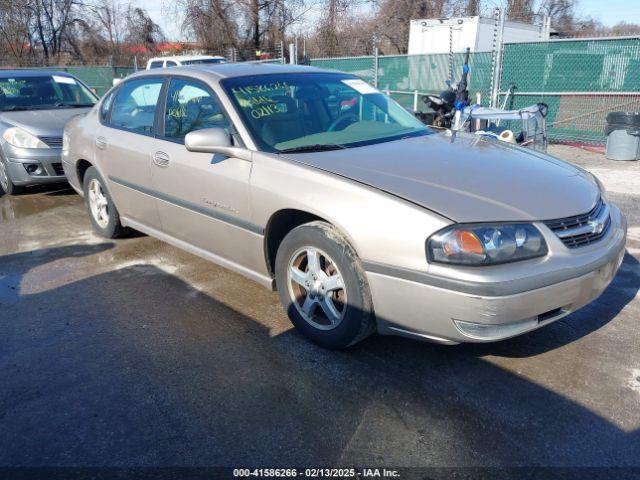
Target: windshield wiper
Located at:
point(319, 147)
point(73, 105)
point(13, 108)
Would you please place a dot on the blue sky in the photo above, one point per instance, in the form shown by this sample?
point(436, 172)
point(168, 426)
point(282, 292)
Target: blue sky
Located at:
point(609, 12)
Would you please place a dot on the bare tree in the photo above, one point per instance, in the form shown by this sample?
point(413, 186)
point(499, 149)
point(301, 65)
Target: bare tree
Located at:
point(15, 34)
point(51, 20)
point(520, 10)
point(142, 30)
point(394, 16)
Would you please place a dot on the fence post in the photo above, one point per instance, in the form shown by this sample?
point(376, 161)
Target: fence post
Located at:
point(376, 64)
point(292, 54)
point(282, 52)
point(496, 71)
point(451, 54)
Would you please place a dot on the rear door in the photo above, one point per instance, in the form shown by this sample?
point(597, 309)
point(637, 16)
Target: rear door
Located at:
point(203, 198)
point(125, 145)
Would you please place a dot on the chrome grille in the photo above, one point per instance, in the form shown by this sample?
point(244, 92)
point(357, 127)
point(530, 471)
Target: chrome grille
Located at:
point(53, 142)
point(582, 229)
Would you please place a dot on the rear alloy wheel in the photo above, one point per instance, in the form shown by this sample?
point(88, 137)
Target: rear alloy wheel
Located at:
point(98, 204)
point(5, 180)
point(323, 287)
point(102, 212)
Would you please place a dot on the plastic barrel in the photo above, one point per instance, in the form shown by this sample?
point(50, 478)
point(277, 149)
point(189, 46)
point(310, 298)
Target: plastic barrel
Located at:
point(623, 136)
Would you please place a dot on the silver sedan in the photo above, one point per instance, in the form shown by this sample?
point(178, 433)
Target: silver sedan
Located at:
point(314, 183)
point(35, 105)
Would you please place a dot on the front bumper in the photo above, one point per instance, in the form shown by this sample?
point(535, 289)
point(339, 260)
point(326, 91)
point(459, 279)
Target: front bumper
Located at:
point(441, 310)
point(48, 158)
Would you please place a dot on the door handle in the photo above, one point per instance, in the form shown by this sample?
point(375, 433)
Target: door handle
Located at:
point(101, 143)
point(161, 159)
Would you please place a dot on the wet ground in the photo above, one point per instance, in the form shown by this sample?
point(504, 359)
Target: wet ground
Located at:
point(133, 353)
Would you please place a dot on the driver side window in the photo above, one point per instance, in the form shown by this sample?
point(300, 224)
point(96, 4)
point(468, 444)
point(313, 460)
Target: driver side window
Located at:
point(191, 106)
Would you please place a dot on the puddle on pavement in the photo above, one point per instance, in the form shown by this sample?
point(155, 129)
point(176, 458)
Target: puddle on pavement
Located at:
point(36, 200)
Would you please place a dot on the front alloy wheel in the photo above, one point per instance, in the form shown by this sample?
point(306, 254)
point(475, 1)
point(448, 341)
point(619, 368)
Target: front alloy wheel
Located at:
point(316, 288)
point(323, 286)
point(5, 181)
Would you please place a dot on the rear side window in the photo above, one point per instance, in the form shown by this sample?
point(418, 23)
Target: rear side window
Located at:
point(191, 106)
point(105, 106)
point(171, 63)
point(156, 64)
point(134, 107)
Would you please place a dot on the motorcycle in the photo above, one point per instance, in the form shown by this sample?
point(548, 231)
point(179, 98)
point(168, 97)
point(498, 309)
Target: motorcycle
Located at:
point(450, 101)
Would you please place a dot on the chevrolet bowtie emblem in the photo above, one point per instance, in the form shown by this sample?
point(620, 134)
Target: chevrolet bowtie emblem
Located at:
point(596, 226)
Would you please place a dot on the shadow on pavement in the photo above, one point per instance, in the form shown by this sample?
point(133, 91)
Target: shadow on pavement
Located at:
point(135, 367)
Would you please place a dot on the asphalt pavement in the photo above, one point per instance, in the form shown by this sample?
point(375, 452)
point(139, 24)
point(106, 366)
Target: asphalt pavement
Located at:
point(131, 353)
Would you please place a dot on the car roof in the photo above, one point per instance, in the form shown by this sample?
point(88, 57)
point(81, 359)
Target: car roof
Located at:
point(220, 71)
point(8, 73)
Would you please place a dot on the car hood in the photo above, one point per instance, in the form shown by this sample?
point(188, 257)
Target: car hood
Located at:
point(42, 122)
point(466, 178)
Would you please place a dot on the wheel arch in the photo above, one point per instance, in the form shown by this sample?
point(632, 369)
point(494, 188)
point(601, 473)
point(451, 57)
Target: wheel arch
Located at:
point(282, 222)
point(278, 226)
point(82, 166)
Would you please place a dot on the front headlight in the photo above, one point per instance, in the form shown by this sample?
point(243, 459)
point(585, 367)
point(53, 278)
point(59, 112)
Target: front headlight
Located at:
point(486, 244)
point(22, 139)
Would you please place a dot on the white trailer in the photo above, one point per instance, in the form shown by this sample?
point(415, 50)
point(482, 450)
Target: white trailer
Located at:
point(442, 35)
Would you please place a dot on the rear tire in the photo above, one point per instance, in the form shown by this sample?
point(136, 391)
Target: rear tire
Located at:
point(102, 212)
point(6, 185)
point(323, 287)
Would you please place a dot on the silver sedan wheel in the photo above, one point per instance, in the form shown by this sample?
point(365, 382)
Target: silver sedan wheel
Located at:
point(98, 203)
point(316, 288)
point(4, 178)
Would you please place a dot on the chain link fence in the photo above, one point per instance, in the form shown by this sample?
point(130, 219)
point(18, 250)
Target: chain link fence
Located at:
point(580, 80)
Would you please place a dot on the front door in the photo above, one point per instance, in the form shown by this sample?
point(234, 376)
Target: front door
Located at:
point(125, 145)
point(202, 198)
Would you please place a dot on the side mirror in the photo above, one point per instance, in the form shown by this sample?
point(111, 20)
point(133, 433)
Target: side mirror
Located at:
point(214, 140)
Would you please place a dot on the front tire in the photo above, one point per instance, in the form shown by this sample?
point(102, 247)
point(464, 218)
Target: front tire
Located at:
point(102, 212)
point(323, 287)
point(5, 181)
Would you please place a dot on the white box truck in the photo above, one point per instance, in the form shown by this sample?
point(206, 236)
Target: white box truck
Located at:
point(439, 35)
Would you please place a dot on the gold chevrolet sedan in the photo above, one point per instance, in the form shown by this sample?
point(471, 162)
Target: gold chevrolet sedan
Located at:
point(314, 183)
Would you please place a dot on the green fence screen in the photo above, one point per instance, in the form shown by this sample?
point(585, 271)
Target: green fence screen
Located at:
point(580, 80)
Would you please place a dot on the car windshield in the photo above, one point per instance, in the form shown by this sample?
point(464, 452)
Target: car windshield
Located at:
point(43, 92)
point(318, 111)
point(203, 61)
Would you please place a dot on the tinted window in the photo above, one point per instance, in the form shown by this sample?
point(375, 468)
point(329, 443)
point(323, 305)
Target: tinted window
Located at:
point(135, 105)
point(43, 92)
point(171, 63)
point(191, 106)
point(156, 64)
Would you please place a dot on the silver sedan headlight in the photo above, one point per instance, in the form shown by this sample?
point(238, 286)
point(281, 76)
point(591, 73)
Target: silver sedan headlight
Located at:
point(486, 244)
point(22, 139)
